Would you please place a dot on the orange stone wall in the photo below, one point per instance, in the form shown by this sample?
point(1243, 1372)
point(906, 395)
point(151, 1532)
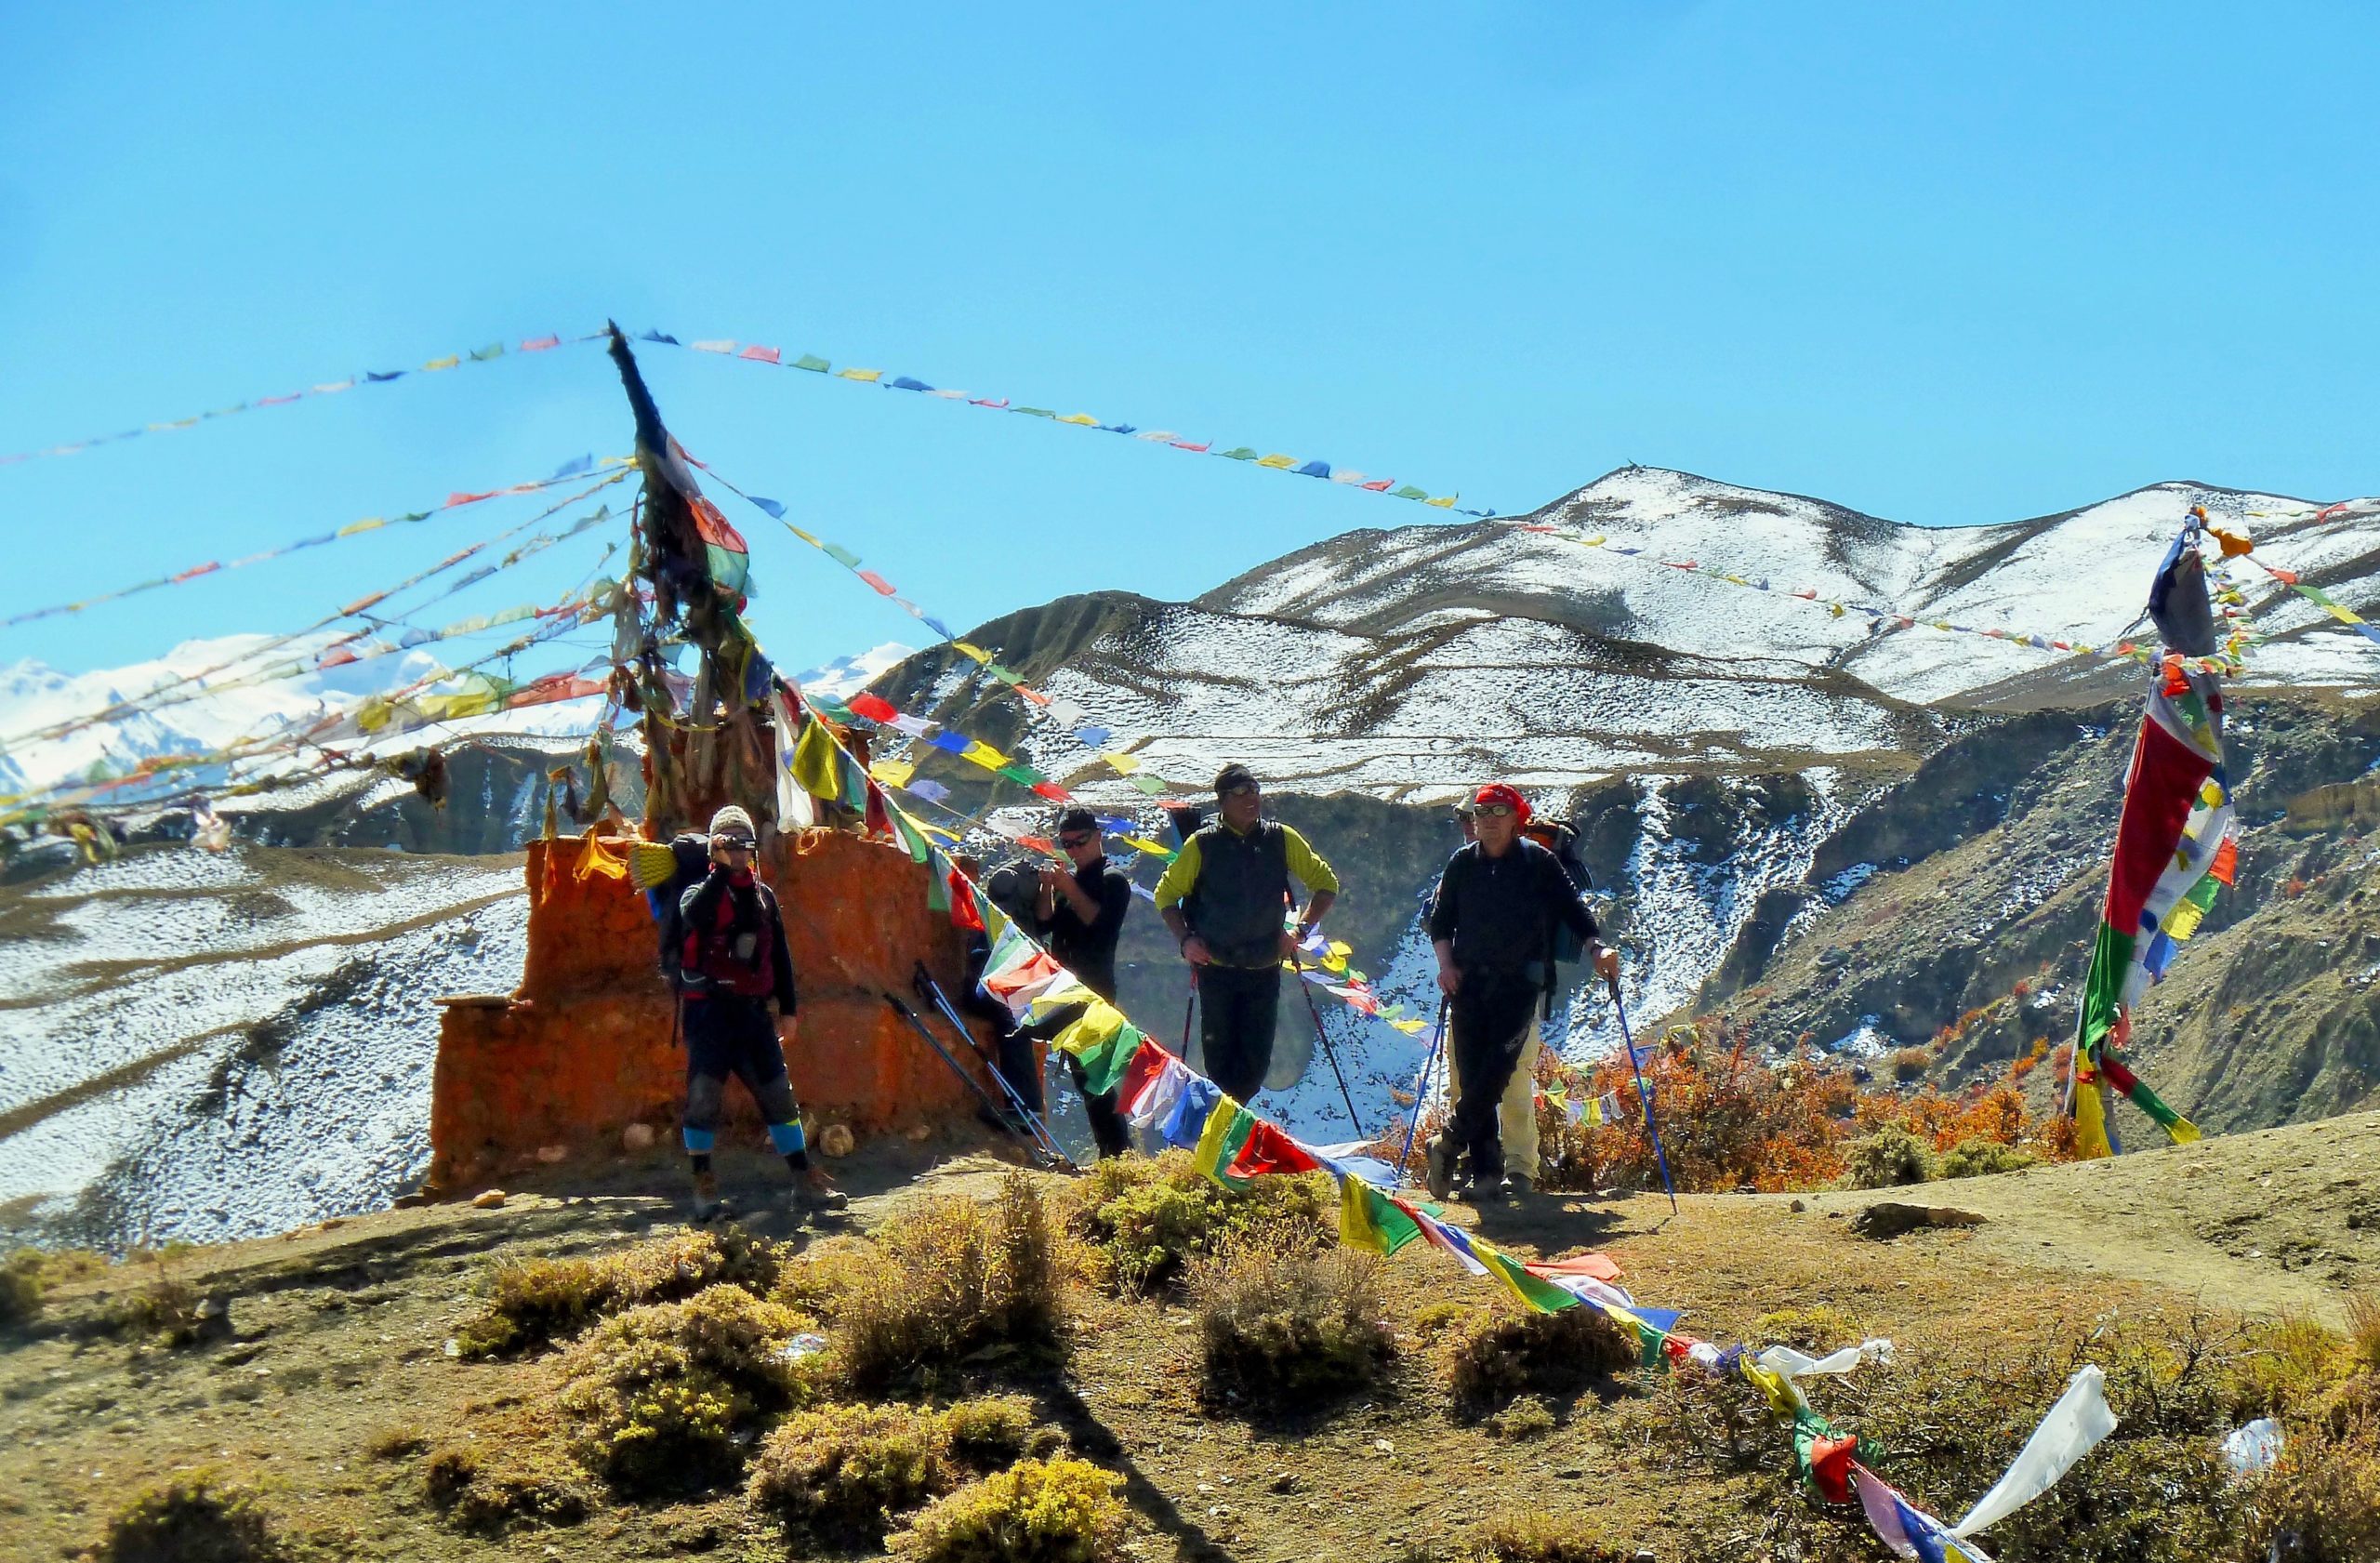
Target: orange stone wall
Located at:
point(584, 1046)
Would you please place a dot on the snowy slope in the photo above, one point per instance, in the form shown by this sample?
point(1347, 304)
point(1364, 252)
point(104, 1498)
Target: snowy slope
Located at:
point(218, 710)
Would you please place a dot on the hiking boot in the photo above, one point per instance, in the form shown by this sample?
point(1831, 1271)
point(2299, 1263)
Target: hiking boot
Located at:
point(708, 1204)
point(814, 1195)
point(1519, 1186)
point(1438, 1158)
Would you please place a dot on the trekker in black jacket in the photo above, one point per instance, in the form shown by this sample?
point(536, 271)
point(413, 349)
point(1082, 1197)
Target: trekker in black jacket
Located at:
point(1080, 913)
point(733, 960)
point(1492, 923)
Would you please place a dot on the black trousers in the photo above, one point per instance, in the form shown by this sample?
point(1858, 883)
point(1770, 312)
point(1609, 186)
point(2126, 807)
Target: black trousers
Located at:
point(1488, 1024)
point(727, 1035)
point(1236, 1011)
point(1109, 1129)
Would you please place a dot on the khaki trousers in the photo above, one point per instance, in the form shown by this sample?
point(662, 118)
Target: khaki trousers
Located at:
point(1517, 1114)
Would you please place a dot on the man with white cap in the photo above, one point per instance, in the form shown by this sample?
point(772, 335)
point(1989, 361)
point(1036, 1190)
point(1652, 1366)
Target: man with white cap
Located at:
point(733, 960)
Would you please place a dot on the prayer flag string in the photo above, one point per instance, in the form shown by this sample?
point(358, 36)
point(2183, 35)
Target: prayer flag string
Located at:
point(487, 354)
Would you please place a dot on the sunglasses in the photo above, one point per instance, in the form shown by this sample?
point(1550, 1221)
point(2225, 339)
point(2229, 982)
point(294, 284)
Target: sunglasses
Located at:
point(1070, 843)
point(1243, 790)
point(1492, 810)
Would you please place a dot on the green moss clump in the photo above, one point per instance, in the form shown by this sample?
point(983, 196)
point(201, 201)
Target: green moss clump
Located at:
point(533, 1302)
point(194, 1518)
point(1056, 1511)
point(1145, 1220)
point(1280, 1325)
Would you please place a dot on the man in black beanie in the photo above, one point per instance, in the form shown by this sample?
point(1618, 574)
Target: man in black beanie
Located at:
point(1225, 898)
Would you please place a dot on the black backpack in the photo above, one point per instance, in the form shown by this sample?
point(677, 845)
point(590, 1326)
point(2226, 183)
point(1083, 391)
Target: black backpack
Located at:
point(1015, 888)
point(1563, 842)
point(692, 852)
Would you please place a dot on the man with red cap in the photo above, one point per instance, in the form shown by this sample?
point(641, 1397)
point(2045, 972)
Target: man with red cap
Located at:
point(1492, 923)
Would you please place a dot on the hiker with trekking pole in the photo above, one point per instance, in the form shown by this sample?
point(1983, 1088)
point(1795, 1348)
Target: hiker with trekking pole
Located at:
point(1223, 899)
point(1497, 920)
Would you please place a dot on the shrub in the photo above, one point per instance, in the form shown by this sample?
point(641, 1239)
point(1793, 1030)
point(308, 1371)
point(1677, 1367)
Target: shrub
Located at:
point(1909, 1064)
point(1887, 1158)
point(2155, 1492)
point(1433, 1320)
point(1537, 1537)
point(2285, 1367)
point(993, 1430)
point(20, 1287)
point(2363, 1329)
point(1818, 1329)
point(1279, 1322)
point(1980, 1157)
point(487, 1489)
point(848, 1472)
point(194, 1518)
point(532, 1302)
point(953, 1277)
point(1057, 1511)
point(1497, 1355)
point(1145, 1220)
point(165, 1308)
point(1529, 1417)
point(656, 1396)
point(2320, 1505)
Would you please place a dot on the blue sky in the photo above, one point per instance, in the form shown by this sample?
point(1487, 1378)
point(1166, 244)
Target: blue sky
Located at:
point(1946, 264)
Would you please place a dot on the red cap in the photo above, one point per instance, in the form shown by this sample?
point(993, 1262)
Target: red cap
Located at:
point(1497, 792)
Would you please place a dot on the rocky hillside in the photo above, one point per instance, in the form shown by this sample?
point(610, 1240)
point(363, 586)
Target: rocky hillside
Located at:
point(1836, 827)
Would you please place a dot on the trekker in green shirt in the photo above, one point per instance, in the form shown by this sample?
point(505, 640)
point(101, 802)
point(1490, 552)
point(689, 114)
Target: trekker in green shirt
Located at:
point(1225, 897)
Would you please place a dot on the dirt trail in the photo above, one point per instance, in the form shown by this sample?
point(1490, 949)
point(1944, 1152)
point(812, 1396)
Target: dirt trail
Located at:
point(2282, 1221)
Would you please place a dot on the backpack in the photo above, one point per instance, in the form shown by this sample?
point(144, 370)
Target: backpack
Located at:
point(1563, 842)
point(692, 852)
point(1015, 889)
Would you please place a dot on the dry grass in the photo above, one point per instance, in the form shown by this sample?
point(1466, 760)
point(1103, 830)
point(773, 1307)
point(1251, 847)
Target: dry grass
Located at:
point(660, 1398)
point(1281, 1325)
point(1498, 1355)
point(2363, 1329)
point(194, 1518)
point(489, 1485)
point(1055, 1511)
point(951, 1279)
point(533, 1302)
point(1145, 1220)
point(2322, 1504)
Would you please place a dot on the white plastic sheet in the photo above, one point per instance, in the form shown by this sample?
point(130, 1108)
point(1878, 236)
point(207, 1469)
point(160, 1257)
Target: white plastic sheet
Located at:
point(2071, 1430)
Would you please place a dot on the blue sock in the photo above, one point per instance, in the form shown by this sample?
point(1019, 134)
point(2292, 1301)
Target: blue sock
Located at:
point(788, 1138)
point(699, 1141)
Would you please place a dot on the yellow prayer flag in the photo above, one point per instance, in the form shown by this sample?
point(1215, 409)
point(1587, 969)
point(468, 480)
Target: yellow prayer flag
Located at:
point(964, 649)
point(1443, 502)
point(861, 373)
point(352, 527)
point(1098, 1024)
point(803, 536)
point(893, 773)
point(1142, 843)
point(446, 362)
point(985, 755)
point(1124, 765)
point(1083, 418)
point(813, 762)
point(1276, 461)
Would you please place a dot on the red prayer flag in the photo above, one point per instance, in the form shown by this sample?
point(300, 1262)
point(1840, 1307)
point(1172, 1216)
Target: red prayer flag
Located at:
point(1142, 1071)
point(873, 706)
point(196, 570)
point(1269, 1150)
point(1378, 486)
point(962, 904)
point(1051, 791)
point(760, 355)
point(713, 527)
point(455, 499)
point(1184, 444)
point(1595, 1266)
point(539, 344)
point(872, 578)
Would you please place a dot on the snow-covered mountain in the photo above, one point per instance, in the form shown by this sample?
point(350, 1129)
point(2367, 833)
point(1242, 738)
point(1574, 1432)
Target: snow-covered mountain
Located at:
point(1740, 759)
point(1414, 661)
point(206, 701)
point(849, 675)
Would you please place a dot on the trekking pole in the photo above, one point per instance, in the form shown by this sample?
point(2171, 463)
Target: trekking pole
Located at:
point(1644, 1096)
point(1313, 1009)
point(991, 1103)
point(1421, 1091)
point(933, 991)
point(1187, 1005)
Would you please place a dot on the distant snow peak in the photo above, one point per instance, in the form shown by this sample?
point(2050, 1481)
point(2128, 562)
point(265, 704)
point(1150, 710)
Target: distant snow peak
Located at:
point(849, 675)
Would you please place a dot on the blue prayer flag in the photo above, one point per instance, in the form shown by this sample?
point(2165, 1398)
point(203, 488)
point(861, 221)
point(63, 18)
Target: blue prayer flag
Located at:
point(951, 743)
point(1315, 469)
point(770, 506)
point(1094, 737)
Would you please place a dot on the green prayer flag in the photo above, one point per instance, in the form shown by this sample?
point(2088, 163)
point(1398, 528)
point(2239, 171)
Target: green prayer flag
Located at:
point(1369, 1220)
point(1035, 411)
point(493, 350)
point(811, 362)
point(1023, 776)
point(1238, 452)
point(1103, 1066)
point(840, 555)
point(1409, 492)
